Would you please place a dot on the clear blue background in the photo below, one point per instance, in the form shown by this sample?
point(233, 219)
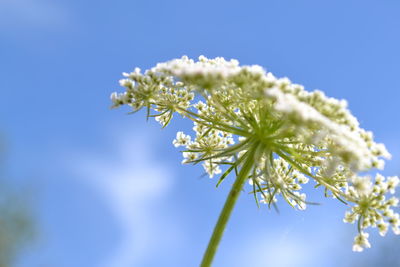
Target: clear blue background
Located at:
point(109, 189)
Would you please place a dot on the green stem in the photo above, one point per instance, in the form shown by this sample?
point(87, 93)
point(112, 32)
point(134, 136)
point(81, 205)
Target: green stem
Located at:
point(227, 210)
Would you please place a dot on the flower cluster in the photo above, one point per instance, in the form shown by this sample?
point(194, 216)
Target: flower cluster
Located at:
point(270, 131)
point(371, 208)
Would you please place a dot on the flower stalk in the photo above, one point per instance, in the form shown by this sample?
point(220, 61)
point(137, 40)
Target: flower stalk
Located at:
point(227, 210)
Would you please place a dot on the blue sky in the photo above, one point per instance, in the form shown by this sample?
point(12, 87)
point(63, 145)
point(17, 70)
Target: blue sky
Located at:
point(109, 189)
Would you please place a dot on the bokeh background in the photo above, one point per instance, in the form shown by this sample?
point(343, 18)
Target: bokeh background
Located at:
point(97, 187)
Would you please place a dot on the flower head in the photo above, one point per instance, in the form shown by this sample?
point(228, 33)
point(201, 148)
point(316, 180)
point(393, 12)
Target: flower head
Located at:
point(285, 136)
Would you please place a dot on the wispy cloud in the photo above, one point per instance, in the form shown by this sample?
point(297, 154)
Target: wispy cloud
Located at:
point(287, 251)
point(288, 248)
point(134, 185)
point(32, 14)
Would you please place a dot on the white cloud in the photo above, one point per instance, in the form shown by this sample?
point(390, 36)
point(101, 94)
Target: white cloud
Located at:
point(135, 186)
point(287, 251)
point(32, 13)
point(288, 248)
point(272, 248)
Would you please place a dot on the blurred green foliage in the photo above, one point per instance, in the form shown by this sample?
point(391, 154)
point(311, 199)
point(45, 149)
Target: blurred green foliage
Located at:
point(15, 225)
point(16, 220)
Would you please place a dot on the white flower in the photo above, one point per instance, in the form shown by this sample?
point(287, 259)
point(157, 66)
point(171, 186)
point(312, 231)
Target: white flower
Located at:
point(392, 183)
point(394, 221)
point(119, 99)
point(383, 228)
point(393, 201)
point(361, 242)
point(189, 157)
point(302, 178)
point(350, 217)
point(378, 163)
point(126, 83)
point(380, 150)
point(181, 139)
point(114, 97)
point(211, 168)
point(362, 185)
